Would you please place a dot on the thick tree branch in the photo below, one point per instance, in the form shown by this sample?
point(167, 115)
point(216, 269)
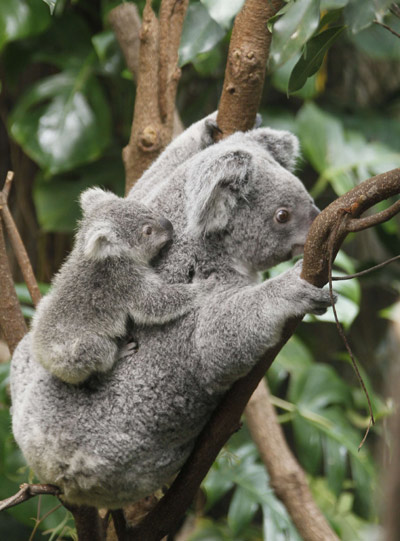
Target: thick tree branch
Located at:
point(157, 81)
point(286, 475)
point(226, 419)
point(245, 67)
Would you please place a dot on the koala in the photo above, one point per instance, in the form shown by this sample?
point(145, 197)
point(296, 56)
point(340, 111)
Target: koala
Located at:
point(237, 209)
point(106, 280)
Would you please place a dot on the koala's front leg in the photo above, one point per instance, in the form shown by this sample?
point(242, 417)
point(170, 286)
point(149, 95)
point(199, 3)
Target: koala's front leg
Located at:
point(158, 302)
point(236, 326)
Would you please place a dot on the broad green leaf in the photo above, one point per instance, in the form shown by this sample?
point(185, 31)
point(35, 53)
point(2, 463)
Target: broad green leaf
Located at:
point(308, 444)
point(360, 14)
point(200, 33)
point(222, 11)
point(281, 76)
point(242, 509)
point(277, 524)
point(292, 30)
point(22, 18)
point(56, 199)
point(312, 57)
point(377, 42)
point(293, 359)
point(335, 464)
point(108, 52)
point(63, 121)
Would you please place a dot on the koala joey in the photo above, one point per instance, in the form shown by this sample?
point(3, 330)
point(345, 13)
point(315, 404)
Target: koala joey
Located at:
point(106, 280)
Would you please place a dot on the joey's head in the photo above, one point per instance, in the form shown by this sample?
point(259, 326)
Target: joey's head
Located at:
point(242, 190)
point(115, 227)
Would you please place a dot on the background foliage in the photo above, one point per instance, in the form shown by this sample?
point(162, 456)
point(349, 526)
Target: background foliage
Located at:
point(66, 107)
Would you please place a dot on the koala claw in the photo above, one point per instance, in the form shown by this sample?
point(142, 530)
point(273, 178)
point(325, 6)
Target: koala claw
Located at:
point(128, 349)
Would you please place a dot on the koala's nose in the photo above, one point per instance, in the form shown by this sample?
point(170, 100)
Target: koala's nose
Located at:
point(314, 212)
point(166, 224)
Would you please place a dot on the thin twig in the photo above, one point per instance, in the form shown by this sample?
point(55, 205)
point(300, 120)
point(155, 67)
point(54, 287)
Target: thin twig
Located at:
point(331, 244)
point(359, 224)
point(16, 241)
point(366, 271)
point(27, 492)
point(387, 28)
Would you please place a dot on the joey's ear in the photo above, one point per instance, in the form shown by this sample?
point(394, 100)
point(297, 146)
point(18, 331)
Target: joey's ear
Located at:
point(214, 186)
point(92, 197)
point(101, 241)
point(282, 145)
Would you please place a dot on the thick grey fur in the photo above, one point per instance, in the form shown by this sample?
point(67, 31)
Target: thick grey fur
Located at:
point(106, 279)
point(123, 434)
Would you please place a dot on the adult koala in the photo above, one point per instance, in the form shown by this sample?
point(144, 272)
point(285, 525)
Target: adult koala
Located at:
point(236, 210)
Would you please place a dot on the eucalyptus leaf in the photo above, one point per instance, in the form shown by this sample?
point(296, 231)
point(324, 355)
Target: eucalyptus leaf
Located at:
point(63, 120)
point(292, 30)
point(22, 18)
point(360, 14)
point(222, 11)
point(200, 33)
point(312, 57)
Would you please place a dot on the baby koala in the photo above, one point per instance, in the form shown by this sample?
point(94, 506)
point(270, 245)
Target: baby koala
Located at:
point(105, 280)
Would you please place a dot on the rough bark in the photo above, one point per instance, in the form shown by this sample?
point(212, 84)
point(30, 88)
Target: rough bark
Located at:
point(286, 475)
point(245, 67)
point(157, 81)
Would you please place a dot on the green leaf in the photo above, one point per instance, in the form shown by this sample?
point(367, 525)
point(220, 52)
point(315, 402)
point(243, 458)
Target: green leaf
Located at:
point(56, 199)
point(308, 444)
point(280, 80)
point(312, 57)
point(22, 18)
point(333, 4)
point(360, 14)
point(242, 509)
point(335, 464)
point(222, 11)
point(378, 42)
point(292, 30)
point(63, 120)
point(200, 33)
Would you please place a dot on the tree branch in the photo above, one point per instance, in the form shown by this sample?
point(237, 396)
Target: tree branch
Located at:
point(286, 475)
point(157, 81)
point(16, 242)
point(27, 492)
point(226, 418)
point(245, 67)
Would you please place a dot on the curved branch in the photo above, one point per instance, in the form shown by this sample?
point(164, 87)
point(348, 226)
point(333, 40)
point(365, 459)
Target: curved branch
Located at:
point(226, 418)
point(358, 224)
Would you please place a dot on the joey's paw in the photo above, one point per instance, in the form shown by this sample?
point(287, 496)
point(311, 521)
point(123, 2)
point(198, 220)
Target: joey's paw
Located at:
point(212, 127)
point(127, 350)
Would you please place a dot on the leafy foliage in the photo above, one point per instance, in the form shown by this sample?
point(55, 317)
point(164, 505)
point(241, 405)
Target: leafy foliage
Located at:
point(71, 103)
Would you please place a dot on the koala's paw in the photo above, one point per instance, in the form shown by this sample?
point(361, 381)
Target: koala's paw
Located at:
point(127, 350)
point(310, 299)
point(211, 127)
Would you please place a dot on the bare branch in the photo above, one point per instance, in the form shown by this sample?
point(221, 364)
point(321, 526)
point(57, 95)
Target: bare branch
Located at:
point(245, 67)
point(16, 242)
point(387, 27)
point(286, 475)
point(27, 492)
point(366, 271)
point(363, 223)
point(125, 21)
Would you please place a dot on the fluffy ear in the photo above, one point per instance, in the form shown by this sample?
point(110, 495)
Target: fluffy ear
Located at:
point(214, 186)
point(92, 197)
point(101, 241)
point(282, 145)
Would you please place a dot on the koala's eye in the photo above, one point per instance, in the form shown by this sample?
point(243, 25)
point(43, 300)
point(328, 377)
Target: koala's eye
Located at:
point(282, 216)
point(147, 230)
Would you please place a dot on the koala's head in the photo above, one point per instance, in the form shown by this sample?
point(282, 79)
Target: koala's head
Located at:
point(114, 227)
point(242, 190)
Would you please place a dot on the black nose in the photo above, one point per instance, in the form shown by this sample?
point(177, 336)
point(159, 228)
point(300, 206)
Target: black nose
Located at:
point(166, 224)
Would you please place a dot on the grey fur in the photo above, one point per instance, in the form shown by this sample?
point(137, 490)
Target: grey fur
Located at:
point(124, 433)
point(106, 280)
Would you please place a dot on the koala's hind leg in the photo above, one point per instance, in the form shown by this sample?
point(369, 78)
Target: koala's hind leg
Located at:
point(85, 356)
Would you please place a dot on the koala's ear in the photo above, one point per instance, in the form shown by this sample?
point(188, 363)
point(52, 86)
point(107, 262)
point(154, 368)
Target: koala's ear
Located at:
point(282, 145)
point(92, 197)
point(214, 186)
point(100, 242)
